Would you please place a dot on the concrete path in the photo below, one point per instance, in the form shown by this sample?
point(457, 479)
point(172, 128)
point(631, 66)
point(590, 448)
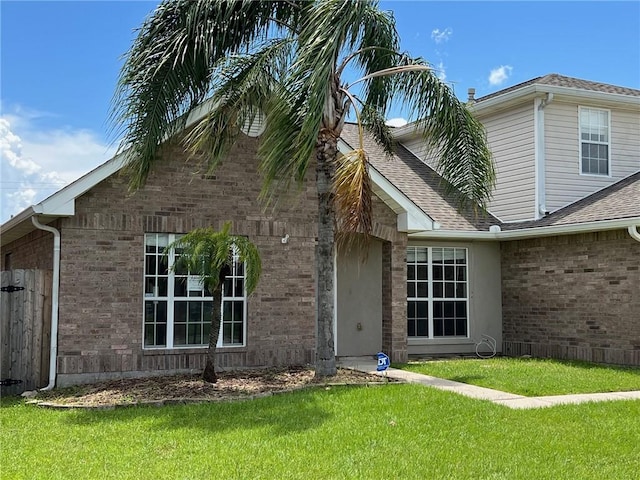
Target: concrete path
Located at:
point(369, 365)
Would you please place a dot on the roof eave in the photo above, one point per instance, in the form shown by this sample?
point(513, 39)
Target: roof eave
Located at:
point(531, 232)
point(530, 91)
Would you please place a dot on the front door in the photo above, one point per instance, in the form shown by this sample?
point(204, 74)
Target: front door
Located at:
point(359, 302)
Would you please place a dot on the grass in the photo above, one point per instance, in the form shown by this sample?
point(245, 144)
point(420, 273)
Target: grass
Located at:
point(532, 377)
point(391, 431)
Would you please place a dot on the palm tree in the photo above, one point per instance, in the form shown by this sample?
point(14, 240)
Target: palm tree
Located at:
point(287, 63)
point(211, 255)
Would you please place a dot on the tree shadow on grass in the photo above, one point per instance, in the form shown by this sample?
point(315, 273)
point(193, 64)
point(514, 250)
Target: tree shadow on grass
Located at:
point(283, 414)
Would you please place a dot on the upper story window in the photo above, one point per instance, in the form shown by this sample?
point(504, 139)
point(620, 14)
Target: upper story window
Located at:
point(594, 141)
point(177, 307)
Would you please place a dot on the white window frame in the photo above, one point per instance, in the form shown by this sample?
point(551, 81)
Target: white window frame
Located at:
point(430, 299)
point(171, 300)
point(582, 109)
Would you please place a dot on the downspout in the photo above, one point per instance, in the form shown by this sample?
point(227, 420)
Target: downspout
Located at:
point(53, 351)
point(633, 231)
point(540, 157)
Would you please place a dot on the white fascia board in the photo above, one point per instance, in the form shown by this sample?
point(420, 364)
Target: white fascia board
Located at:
point(590, 95)
point(530, 91)
point(17, 219)
point(62, 203)
point(554, 230)
point(413, 218)
point(532, 232)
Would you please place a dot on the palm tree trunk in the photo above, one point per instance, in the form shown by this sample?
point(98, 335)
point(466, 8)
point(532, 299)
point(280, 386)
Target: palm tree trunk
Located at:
point(209, 374)
point(326, 152)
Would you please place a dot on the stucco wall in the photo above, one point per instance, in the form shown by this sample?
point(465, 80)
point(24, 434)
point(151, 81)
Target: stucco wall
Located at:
point(573, 297)
point(485, 310)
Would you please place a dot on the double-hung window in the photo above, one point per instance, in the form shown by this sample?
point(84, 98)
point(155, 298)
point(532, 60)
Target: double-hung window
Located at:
point(594, 141)
point(437, 292)
point(177, 306)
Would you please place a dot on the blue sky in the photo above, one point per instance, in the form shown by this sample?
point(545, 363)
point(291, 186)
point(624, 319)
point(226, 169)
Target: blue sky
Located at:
point(60, 61)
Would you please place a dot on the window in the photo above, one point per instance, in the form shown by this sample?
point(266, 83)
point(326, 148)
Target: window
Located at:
point(594, 141)
point(177, 307)
point(437, 292)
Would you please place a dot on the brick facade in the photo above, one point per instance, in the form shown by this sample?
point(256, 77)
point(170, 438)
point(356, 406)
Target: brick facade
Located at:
point(573, 297)
point(34, 250)
point(102, 267)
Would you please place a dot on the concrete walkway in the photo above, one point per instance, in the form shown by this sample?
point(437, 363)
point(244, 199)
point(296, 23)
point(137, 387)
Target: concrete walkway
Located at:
point(369, 365)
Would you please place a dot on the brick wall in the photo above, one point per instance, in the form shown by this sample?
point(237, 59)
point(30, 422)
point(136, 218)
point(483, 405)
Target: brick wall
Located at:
point(102, 267)
point(573, 296)
point(34, 250)
point(394, 281)
point(101, 291)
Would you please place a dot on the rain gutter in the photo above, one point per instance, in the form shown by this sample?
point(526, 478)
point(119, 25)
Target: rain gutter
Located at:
point(55, 295)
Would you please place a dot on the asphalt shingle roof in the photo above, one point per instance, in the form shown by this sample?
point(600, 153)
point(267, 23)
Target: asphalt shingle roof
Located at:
point(562, 81)
point(420, 183)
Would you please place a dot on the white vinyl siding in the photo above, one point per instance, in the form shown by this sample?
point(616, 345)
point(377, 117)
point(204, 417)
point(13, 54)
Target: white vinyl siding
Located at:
point(511, 139)
point(564, 181)
point(419, 148)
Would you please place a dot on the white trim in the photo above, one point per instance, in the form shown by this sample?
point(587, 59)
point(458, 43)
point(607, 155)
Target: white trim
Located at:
point(609, 174)
point(532, 232)
point(539, 135)
point(430, 299)
point(171, 300)
point(501, 99)
point(633, 231)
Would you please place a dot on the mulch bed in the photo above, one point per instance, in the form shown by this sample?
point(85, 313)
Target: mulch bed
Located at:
point(176, 389)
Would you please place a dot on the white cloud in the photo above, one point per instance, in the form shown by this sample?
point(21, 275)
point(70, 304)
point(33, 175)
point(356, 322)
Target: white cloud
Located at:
point(499, 75)
point(396, 122)
point(440, 36)
point(38, 162)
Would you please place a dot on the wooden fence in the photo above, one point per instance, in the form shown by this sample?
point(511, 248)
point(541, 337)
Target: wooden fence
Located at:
point(25, 330)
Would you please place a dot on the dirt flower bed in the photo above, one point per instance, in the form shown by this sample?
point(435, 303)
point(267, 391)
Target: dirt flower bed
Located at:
point(190, 388)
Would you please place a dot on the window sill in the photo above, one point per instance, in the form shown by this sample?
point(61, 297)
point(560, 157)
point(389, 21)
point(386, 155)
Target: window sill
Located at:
point(440, 341)
point(189, 350)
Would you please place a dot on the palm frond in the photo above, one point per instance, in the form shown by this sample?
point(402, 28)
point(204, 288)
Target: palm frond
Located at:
point(168, 70)
point(243, 87)
point(464, 158)
point(374, 122)
point(206, 252)
point(353, 194)
point(314, 88)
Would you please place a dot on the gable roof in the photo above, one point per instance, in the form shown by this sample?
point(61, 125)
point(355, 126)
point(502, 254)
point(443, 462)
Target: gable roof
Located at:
point(420, 183)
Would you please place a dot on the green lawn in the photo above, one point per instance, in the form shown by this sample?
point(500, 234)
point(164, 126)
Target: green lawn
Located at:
point(532, 377)
point(394, 431)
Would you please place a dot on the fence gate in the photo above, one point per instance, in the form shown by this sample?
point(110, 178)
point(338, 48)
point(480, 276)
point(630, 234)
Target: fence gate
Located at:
point(25, 330)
